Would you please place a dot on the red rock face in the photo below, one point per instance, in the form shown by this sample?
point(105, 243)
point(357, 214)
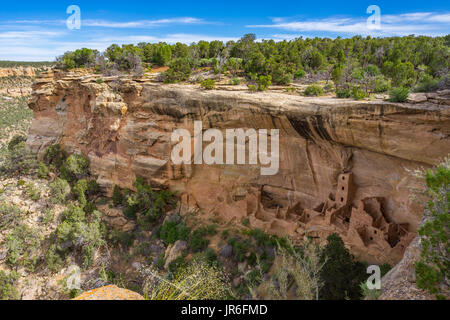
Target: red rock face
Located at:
point(124, 126)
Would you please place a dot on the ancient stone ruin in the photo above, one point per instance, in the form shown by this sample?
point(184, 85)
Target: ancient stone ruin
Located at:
point(362, 224)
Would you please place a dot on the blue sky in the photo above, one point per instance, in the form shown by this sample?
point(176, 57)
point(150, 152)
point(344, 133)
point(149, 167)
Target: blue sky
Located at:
point(37, 31)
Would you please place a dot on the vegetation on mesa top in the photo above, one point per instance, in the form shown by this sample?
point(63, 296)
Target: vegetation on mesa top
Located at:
point(358, 66)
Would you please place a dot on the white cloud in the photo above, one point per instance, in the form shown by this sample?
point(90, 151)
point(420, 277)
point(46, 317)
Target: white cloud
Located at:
point(141, 23)
point(23, 35)
point(25, 53)
point(117, 24)
point(282, 36)
point(419, 23)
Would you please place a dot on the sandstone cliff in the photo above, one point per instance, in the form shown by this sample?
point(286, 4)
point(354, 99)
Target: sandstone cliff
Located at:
point(343, 164)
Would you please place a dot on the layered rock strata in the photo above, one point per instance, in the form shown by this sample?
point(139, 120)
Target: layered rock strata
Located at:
point(124, 126)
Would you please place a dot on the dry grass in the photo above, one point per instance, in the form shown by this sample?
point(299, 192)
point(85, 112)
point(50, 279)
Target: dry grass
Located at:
point(296, 274)
point(198, 281)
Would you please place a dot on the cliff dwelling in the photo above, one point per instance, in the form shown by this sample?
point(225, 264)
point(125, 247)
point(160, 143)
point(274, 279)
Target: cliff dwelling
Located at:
point(362, 224)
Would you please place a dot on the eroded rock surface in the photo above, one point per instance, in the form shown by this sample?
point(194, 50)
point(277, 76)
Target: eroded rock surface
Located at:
point(124, 126)
point(18, 72)
point(110, 293)
point(400, 282)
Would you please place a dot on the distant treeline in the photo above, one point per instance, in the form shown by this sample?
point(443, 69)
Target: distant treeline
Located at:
point(358, 66)
point(13, 64)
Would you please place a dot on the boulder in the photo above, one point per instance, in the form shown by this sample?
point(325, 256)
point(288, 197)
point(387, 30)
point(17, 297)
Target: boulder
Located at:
point(110, 292)
point(175, 251)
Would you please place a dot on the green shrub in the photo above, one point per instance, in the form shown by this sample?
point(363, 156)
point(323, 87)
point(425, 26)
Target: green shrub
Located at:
point(225, 234)
point(123, 238)
point(59, 191)
point(240, 248)
point(90, 207)
point(262, 238)
point(117, 196)
point(208, 84)
point(281, 76)
point(160, 262)
point(210, 256)
point(23, 246)
point(93, 188)
point(79, 190)
point(55, 156)
point(343, 93)
point(48, 217)
point(385, 268)
point(15, 141)
point(147, 204)
point(300, 73)
point(252, 88)
point(107, 275)
point(316, 60)
point(172, 231)
point(358, 93)
point(80, 233)
point(180, 70)
point(328, 87)
point(369, 294)
point(197, 241)
point(235, 81)
point(32, 192)
point(264, 82)
point(8, 282)
point(75, 167)
point(426, 84)
point(209, 230)
point(43, 171)
point(53, 258)
point(341, 274)
point(17, 159)
point(372, 70)
point(177, 264)
point(314, 90)
point(81, 58)
point(399, 94)
point(381, 85)
point(10, 216)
